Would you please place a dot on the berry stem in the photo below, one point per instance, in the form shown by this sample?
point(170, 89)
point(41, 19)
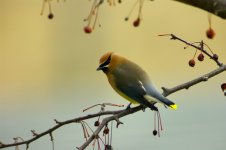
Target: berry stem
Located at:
point(208, 48)
point(131, 10)
point(111, 132)
point(195, 54)
point(155, 120)
point(84, 131)
point(96, 17)
point(209, 19)
point(141, 2)
point(160, 121)
point(43, 7)
point(50, 9)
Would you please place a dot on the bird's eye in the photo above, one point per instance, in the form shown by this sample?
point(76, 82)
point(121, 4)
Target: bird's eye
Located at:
point(106, 62)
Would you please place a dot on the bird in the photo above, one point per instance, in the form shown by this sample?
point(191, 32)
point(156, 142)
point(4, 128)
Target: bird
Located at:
point(131, 82)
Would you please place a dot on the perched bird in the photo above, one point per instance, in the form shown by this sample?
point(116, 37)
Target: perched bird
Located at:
point(131, 82)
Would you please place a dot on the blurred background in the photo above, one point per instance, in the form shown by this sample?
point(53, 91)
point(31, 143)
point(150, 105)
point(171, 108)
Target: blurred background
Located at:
point(48, 71)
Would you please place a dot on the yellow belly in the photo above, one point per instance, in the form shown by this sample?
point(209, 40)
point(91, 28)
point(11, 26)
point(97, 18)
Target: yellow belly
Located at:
point(126, 97)
point(119, 92)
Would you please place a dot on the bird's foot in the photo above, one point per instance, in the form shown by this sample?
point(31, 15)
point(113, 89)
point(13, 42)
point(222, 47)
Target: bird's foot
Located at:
point(154, 108)
point(128, 106)
point(143, 108)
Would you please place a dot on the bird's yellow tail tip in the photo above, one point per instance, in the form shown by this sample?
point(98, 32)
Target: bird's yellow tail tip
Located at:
point(174, 106)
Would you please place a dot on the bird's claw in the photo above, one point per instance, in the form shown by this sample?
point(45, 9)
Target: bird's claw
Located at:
point(154, 108)
point(128, 106)
point(143, 109)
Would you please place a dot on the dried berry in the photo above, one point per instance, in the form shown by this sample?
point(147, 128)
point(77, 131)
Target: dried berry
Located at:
point(223, 86)
point(106, 130)
point(154, 132)
point(127, 18)
point(97, 123)
point(191, 62)
point(87, 29)
point(210, 33)
point(201, 57)
point(136, 23)
point(50, 16)
point(108, 147)
point(215, 56)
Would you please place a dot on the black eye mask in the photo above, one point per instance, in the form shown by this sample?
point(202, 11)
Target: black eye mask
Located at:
point(106, 62)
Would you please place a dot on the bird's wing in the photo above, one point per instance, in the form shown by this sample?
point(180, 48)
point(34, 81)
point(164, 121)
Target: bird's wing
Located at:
point(130, 84)
point(137, 86)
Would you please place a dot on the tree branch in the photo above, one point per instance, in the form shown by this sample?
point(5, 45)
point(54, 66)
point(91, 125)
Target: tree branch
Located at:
point(187, 85)
point(123, 113)
point(115, 115)
point(59, 124)
point(216, 7)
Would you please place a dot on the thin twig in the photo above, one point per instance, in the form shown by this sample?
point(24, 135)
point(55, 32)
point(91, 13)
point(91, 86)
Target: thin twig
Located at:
point(174, 37)
point(187, 85)
point(59, 124)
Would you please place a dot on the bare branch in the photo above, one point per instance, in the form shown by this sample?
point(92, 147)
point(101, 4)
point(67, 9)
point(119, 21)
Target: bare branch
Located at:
point(168, 91)
point(212, 56)
point(59, 124)
point(205, 77)
point(108, 119)
point(216, 7)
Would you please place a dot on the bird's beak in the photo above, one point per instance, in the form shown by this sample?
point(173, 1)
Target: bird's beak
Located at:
point(102, 68)
point(99, 68)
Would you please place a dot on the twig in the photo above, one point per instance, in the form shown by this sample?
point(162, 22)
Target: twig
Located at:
point(108, 119)
point(201, 48)
point(187, 85)
point(59, 124)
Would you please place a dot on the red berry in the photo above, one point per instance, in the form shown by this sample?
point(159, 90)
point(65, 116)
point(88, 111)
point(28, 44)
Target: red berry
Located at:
point(191, 62)
point(50, 16)
point(223, 86)
point(210, 33)
point(201, 57)
point(215, 56)
point(87, 29)
point(136, 23)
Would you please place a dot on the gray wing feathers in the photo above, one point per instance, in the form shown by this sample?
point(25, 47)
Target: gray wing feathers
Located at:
point(134, 82)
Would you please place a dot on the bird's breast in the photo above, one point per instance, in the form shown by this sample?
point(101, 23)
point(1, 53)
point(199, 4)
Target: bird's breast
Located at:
point(111, 80)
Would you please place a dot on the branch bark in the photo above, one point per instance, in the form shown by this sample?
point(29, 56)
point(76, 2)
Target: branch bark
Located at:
point(216, 7)
point(58, 125)
point(187, 85)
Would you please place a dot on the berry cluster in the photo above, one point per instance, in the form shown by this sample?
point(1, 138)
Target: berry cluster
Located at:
point(50, 15)
point(192, 61)
point(201, 55)
point(137, 21)
point(94, 14)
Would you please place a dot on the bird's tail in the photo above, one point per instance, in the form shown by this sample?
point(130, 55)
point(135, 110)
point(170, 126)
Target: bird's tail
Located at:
point(168, 103)
point(161, 99)
point(173, 106)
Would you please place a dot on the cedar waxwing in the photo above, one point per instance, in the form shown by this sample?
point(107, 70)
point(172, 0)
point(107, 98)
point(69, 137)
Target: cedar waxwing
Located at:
point(131, 81)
